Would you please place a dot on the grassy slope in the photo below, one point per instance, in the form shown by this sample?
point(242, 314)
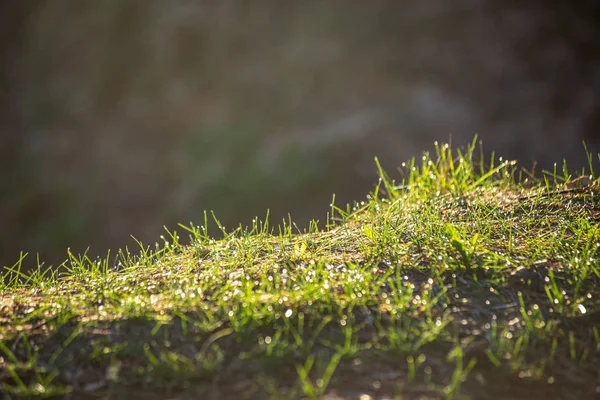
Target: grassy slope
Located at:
point(458, 282)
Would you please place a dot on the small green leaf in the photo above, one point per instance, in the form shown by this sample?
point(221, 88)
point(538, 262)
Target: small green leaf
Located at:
point(369, 232)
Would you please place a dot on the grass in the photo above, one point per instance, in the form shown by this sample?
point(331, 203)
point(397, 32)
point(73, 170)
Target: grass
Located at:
point(465, 279)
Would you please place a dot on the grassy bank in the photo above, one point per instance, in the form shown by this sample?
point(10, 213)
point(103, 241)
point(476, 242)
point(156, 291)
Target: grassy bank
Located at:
point(461, 278)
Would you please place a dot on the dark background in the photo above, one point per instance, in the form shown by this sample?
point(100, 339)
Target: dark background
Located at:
point(119, 117)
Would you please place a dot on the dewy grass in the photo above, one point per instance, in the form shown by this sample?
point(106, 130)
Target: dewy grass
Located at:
point(459, 279)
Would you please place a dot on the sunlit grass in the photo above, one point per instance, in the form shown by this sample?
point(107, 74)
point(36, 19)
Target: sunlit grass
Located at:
point(462, 277)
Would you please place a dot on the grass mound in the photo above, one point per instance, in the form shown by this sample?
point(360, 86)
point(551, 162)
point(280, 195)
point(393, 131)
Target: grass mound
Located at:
point(464, 279)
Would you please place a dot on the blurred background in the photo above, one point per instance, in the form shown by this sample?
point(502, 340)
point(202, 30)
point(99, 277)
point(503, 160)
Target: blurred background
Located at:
point(119, 117)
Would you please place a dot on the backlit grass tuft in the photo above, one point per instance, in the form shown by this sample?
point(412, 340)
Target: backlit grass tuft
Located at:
point(459, 278)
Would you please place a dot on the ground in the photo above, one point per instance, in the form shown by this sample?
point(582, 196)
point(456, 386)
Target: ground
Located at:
point(465, 279)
